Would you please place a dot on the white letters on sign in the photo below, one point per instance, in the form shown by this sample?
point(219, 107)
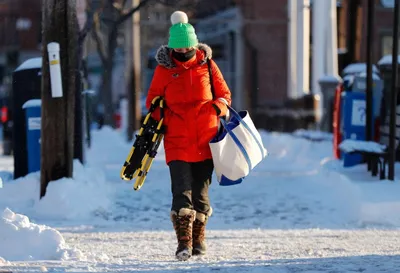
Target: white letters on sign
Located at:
point(358, 113)
point(34, 123)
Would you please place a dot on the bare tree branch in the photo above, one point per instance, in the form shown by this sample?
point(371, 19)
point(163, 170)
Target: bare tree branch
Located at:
point(86, 29)
point(97, 37)
point(128, 14)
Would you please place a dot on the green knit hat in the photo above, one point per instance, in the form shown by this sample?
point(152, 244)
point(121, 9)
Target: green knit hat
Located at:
point(181, 33)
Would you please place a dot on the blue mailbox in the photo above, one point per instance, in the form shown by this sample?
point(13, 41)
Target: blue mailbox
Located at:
point(353, 120)
point(33, 129)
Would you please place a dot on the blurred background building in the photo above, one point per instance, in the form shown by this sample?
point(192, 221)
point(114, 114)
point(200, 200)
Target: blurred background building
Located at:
point(249, 40)
point(20, 35)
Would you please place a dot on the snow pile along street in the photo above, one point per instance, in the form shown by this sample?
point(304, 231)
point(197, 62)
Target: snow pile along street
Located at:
point(298, 211)
point(22, 240)
point(85, 196)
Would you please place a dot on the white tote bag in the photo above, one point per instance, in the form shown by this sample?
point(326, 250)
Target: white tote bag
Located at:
point(237, 149)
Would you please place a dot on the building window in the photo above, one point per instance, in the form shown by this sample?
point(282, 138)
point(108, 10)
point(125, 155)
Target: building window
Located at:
point(387, 3)
point(386, 45)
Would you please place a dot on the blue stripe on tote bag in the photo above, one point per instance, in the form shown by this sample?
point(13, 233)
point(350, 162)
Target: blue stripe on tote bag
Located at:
point(237, 149)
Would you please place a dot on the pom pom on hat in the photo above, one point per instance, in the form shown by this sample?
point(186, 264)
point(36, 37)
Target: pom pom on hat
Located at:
point(179, 17)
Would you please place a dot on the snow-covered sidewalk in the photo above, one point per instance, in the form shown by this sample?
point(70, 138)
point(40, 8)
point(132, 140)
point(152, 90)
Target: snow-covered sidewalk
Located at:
point(257, 251)
point(299, 211)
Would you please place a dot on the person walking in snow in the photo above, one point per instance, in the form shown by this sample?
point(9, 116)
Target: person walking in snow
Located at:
point(191, 118)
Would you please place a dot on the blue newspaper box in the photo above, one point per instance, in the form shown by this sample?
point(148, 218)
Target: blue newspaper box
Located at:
point(354, 116)
point(33, 128)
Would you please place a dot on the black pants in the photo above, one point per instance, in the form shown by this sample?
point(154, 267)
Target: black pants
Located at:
point(189, 185)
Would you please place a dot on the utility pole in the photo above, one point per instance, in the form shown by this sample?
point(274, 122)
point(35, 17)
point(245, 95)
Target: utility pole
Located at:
point(369, 90)
point(393, 96)
point(369, 94)
point(57, 135)
point(134, 89)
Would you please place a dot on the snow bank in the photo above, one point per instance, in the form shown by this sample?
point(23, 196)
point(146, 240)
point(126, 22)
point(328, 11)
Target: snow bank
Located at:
point(82, 197)
point(350, 145)
point(110, 146)
point(22, 240)
point(296, 151)
point(343, 196)
point(85, 196)
point(387, 60)
point(107, 146)
point(356, 68)
point(313, 135)
point(378, 201)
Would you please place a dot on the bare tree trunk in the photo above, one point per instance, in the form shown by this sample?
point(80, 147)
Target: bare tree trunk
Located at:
point(57, 135)
point(78, 124)
point(107, 92)
point(84, 27)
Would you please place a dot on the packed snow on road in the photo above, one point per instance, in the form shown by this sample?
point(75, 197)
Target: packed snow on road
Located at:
point(298, 211)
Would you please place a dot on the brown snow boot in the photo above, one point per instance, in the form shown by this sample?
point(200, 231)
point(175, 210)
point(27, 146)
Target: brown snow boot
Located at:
point(199, 233)
point(183, 225)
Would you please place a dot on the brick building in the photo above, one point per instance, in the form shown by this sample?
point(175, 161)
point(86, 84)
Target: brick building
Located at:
point(382, 31)
point(20, 28)
point(265, 34)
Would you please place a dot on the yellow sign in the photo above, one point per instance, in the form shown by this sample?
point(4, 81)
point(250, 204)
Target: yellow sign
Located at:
point(53, 62)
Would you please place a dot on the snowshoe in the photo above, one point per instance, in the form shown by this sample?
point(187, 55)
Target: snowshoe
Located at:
point(145, 146)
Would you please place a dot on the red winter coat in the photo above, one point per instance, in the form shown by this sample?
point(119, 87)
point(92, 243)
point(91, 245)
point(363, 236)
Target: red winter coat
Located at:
point(190, 118)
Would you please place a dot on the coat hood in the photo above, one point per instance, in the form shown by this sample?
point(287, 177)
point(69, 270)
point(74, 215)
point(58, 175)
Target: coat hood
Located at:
point(163, 55)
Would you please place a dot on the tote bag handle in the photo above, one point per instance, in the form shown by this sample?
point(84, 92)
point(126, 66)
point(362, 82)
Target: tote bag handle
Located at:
point(245, 125)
